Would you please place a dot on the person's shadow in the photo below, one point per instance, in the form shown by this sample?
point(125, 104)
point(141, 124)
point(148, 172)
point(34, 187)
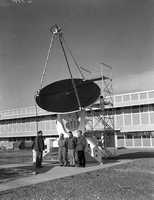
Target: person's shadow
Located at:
point(12, 173)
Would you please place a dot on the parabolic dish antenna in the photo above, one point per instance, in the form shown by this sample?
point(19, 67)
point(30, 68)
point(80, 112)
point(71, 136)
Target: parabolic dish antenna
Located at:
point(60, 97)
point(67, 95)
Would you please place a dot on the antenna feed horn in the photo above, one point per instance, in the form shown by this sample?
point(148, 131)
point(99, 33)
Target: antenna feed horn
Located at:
point(55, 29)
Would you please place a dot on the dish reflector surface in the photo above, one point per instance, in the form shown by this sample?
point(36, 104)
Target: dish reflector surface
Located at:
point(60, 97)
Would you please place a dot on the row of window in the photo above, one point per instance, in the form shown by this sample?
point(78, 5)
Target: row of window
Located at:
point(30, 111)
point(121, 120)
point(136, 139)
point(129, 135)
point(27, 126)
point(141, 108)
point(134, 96)
point(136, 142)
point(134, 119)
point(133, 109)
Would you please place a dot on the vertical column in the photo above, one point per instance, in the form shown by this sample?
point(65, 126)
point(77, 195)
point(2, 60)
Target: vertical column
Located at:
point(133, 141)
point(124, 140)
point(93, 121)
point(140, 120)
point(123, 120)
point(131, 118)
point(116, 141)
point(141, 141)
point(149, 122)
point(150, 140)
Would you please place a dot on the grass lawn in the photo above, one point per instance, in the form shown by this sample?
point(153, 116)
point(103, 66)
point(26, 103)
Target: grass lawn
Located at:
point(131, 181)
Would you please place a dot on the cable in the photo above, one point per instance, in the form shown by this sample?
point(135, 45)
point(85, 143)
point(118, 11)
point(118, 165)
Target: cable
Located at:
point(36, 114)
point(46, 61)
point(57, 31)
point(78, 67)
point(42, 79)
point(73, 83)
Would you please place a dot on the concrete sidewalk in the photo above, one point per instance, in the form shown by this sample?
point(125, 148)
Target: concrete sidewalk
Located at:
point(55, 173)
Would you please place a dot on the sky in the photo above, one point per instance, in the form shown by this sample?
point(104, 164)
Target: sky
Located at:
point(119, 33)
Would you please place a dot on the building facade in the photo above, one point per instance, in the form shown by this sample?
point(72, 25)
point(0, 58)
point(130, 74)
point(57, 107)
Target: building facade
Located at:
point(134, 118)
point(133, 121)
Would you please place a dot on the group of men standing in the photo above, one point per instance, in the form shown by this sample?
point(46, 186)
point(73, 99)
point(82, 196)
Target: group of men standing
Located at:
point(72, 150)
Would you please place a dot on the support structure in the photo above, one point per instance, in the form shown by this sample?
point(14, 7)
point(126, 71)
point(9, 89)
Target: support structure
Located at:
point(102, 118)
point(106, 105)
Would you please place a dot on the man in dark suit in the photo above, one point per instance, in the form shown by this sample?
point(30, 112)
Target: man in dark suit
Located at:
point(80, 149)
point(39, 147)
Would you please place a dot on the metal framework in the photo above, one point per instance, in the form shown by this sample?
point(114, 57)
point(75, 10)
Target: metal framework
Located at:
point(106, 98)
point(102, 118)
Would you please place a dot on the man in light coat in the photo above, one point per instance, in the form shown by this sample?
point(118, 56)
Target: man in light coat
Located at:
point(62, 150)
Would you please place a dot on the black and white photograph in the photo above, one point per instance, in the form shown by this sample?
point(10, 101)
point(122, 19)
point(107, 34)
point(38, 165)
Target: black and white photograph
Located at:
point(76, 99)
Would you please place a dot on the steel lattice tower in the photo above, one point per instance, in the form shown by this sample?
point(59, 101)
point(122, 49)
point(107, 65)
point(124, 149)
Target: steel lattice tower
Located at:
point(102, 118)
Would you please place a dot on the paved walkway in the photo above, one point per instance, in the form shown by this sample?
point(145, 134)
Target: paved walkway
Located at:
point(54, 173)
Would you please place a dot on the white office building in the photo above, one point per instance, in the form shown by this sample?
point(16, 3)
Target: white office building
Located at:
point(133, 121)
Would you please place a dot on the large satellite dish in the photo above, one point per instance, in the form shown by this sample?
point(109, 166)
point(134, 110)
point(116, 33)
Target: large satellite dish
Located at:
point(60, 96)
point(68, 95)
